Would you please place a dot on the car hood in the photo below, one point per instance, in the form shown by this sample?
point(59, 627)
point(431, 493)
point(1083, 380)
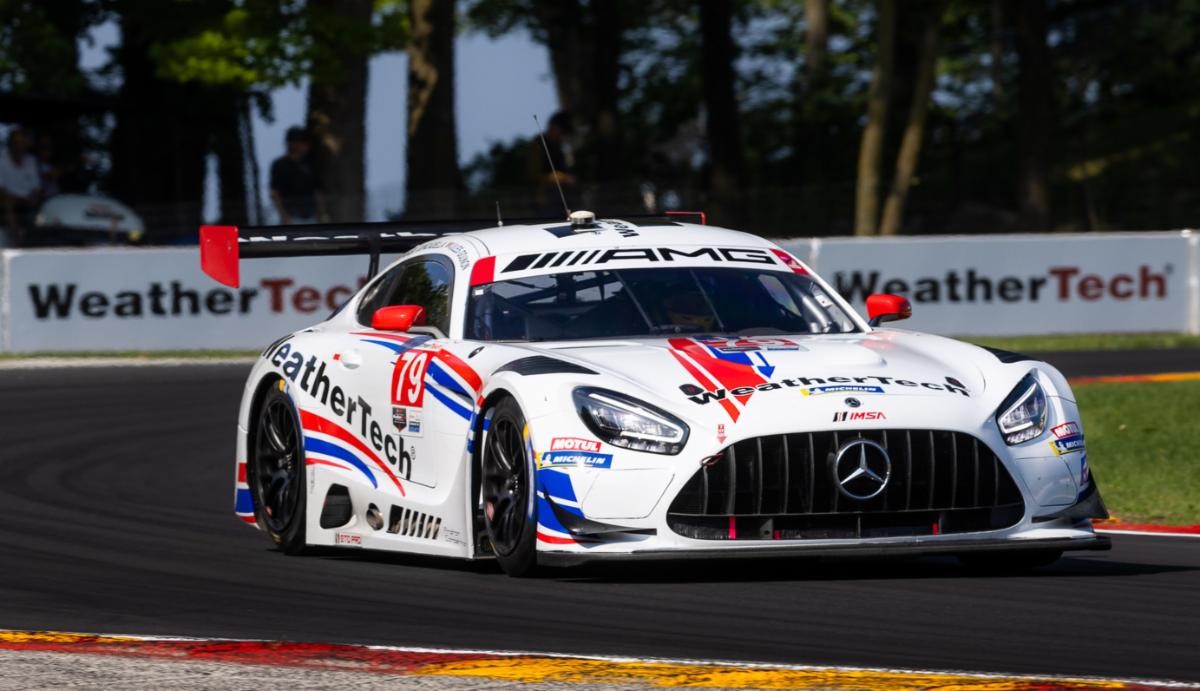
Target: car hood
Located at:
point(755, 379)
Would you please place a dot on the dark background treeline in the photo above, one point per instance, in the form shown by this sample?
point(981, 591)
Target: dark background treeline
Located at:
point(784, 117)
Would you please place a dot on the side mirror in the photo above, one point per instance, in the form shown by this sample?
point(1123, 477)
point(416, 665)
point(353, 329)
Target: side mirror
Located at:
point(398, 318)
point(885, 307)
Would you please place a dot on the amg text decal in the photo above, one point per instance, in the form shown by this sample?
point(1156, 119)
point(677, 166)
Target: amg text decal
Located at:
point(597, 257)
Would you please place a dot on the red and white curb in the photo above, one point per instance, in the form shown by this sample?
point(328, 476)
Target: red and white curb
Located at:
point(507, 669)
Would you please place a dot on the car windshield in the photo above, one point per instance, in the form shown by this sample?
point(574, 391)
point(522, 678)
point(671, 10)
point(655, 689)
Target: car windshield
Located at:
point(652, 302)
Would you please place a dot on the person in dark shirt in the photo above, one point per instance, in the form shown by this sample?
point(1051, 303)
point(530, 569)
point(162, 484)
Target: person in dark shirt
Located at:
point(293, 185)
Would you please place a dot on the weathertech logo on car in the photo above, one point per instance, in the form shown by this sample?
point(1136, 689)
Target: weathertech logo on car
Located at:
point(596, 257)
point(813, 386)
point(308, 372)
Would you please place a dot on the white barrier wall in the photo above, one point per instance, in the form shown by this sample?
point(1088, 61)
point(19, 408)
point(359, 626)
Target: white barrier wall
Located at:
point(158, 299)
point(1022, 284)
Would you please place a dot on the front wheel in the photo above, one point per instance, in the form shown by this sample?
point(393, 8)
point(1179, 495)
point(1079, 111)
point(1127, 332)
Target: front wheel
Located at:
point(508, 491)
point(276, 472)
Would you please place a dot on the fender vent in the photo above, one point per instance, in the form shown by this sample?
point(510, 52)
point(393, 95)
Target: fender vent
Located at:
point(337, 509)
point(411, 523)
point(540, 364)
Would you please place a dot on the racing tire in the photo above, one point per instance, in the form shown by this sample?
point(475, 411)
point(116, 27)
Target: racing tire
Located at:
point(276, 473)
point(1009, 562)
point(508, 491)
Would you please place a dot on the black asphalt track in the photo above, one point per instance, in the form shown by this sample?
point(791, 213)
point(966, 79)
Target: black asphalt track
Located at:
point(116, 516)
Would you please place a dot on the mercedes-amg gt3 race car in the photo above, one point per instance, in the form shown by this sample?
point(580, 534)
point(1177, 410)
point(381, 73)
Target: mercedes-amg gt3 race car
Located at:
point(555, 393)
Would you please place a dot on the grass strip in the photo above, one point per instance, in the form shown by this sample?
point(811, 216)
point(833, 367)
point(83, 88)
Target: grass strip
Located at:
point(1144, 447)
point(1140, 341)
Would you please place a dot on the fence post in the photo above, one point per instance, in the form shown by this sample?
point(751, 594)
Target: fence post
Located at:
point(5, 307)
point(1193, 281)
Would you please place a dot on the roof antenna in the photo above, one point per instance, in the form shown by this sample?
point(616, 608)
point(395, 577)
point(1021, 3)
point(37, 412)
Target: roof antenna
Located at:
point(499, 220)
point(550, 160)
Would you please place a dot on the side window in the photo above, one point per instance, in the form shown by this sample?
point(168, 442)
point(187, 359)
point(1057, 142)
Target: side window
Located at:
point(426, 282)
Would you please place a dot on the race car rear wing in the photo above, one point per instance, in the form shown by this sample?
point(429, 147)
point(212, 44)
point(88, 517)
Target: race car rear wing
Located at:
point(223, 247)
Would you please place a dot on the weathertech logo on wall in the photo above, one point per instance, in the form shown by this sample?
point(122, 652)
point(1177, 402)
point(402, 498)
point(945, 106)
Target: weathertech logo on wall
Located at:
point(1058, 284)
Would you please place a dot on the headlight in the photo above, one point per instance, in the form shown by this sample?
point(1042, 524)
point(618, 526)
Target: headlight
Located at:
point(627, 422)
point(1022, 416)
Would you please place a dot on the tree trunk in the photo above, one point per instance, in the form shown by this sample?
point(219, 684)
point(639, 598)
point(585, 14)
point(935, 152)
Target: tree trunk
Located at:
point(723, 128)
point(870, 152)
point(337, 105)
point(996, 48)
point(914, 130)
point(585, 56)
point(816, 34)
point(434, 179)
point(562, 20)
point(604, 144)
point(1035, 83)
point(230, 148)
point(160, 141)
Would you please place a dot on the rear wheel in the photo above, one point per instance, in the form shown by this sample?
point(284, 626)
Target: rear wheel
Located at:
point(1009, 562)
point(276, 472)
point(508, 491)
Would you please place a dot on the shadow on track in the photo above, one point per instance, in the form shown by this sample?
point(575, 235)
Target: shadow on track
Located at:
point(791, 569)
point(846, 569)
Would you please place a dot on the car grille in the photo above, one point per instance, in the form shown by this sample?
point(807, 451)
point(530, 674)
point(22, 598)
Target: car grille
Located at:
point(782, 487)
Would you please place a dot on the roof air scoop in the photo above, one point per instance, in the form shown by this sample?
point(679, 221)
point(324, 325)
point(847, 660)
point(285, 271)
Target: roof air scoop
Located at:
point(582, 221)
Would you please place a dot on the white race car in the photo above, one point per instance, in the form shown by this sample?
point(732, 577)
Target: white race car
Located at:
point(556, 393)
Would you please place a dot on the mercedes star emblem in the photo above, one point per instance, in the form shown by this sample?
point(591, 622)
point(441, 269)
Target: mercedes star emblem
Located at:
point(853, 402)
point(861, 469)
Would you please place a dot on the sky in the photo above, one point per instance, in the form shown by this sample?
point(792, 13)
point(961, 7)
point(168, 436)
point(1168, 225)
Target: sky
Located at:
point(499, 85)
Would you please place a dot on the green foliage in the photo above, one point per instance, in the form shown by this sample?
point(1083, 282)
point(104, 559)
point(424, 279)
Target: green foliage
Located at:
point(265, 44)
point(38, 45)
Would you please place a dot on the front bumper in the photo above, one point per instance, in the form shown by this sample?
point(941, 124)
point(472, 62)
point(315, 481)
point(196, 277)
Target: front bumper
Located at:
point(931, 547)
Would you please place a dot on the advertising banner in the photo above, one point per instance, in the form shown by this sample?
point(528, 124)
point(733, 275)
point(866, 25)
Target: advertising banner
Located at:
point(1020, 284)
point(158, 299)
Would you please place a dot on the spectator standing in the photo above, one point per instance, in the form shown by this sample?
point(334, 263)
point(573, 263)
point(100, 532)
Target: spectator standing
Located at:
point(293, 184)
point(20, 184)
point(48, 168)
point(558, 130)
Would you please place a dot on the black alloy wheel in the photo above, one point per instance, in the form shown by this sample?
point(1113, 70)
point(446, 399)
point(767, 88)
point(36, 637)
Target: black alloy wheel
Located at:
point(276, 472)
point(508, 491)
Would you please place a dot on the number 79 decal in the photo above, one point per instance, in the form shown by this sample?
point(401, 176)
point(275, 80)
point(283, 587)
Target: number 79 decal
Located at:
point(408, 378)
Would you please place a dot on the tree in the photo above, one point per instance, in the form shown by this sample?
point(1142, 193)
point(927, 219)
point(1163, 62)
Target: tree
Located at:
point(1035, 87)
point(816, 30)
point(254, 46)
point(726, 164)
point(337, 103)
point(434, 179)
point(914, 129)
point(870, 152)
point(586, 42)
